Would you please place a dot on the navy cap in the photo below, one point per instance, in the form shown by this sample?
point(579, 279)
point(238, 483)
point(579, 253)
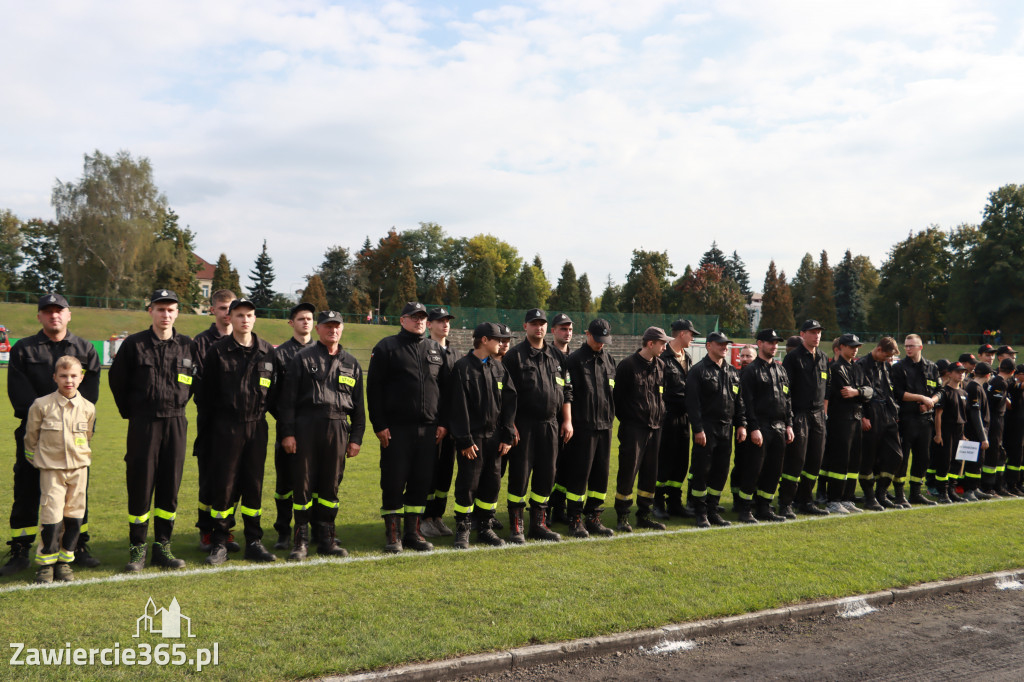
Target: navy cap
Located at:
point(850, 340)
point(414, 308)
point(982, 369)
point(239, 302)
point(535, 314)
point(560, 319)
point(52, 299)
point(600, 330)
point(296, 309)
point(684, 326)
point(504, 331)
point(966, 358)
point(328, 316)
point(809, 325)
point(163, 295)
point(439, 314)
point(717, 337)
point(768, 335)
point(488, 329)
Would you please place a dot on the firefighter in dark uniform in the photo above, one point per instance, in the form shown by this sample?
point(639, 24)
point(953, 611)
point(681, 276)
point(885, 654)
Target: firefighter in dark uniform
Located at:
point(994, 467)
point(591, 371)
point(1014, 435)
point(321, 423)
point(220, 303)
point(674, 450)
point(30, 376)
point(407, 378)
point(976, 429)
point(238, 374)
point(848, 391)
point(439, 322)
point(714, 403)
point(915, 385)
point(300, 319)
point(881, 452)
point(152, 380)
point(765, 388)
point(561, 337)
point(950, 418)
point(807, 367)
point(542, 391)
point(483, 410)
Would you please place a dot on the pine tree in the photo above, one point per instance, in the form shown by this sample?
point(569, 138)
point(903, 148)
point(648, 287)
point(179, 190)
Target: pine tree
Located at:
point(225, 277)
point(452, 296)
point(405, 291)
point(439, 293)
point(714, 256)
point(736, 270)
point(823, 301)
point(261, 293)
point(479, 286)
point(802, 288)
point(586, 297)
point(316, 294)
point(777, 303)
point(566, 296)
point(648, 292)
point(609, 298)
point(849, 294)
point(526, 293)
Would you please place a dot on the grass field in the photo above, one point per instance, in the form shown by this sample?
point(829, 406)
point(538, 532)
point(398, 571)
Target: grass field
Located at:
point(292, 621)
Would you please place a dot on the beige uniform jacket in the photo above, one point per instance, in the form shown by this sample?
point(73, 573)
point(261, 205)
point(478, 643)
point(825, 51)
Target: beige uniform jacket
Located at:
point(58, 432)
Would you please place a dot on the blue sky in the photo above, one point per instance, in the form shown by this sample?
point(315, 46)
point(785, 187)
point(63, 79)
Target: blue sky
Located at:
point(578, 129)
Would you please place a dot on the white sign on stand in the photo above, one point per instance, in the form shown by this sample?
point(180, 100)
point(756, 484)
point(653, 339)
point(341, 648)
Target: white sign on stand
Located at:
point(968, 450)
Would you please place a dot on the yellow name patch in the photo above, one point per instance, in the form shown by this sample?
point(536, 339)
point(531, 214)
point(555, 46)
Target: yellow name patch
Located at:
point(81, 442)
point(500, 385)
point(611, 382)
point(560, 381)
point(347, 381)
point(735, 389)
point(824, 375)
point(785, 389)
point(661, 389)
point(185, 379)
point(264, 382)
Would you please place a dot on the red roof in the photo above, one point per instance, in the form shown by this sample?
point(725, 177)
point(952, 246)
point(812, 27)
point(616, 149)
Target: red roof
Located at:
point(205, 269)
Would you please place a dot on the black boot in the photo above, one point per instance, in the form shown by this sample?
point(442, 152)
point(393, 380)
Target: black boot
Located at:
point(658, 509)
point(18, 558)
point(462, 528)
point(870, 500)
point(745, 515)
point(538, 525)
point(714, 516)
point(413, 539)
point(700, 512)
point(283, 525)
point(515, 522)
point(163, 557)
point(485, 533)
point(327, 545)
point(952, 494)
point(556, 508)
point(917, 497)
point(300, 542)
point(763, 511)
point(392, 533)
point(136, 559)
point(623, 523)
point(881, 486)
point(576, 528)
point(594, 525)
point(644, 520)
point(899, 498)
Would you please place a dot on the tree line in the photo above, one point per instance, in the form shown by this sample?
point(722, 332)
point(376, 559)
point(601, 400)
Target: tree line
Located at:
point(115, 235)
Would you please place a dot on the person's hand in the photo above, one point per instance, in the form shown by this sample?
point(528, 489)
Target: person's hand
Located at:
point(938, 439)
point(700, 439)
point(441, 433)
point(515, 435)
point(352, 450)
point(566, 431)
point(288, 444)
point(849, 392)
point(984, 445)
point(789, 435)
point(756, 438)
point(470, 452)
point(503, 449)
point(384, 437)
point(741, 434)
point(865, 424)
point(927, 402)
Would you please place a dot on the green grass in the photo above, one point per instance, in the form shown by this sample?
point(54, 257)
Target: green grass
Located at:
point(291, 622)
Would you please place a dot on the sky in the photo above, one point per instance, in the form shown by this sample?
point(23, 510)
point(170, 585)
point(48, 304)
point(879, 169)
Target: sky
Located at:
point(576, 130)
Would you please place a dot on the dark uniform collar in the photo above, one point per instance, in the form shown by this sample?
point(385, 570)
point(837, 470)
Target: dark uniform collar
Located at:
point(411, 336)
point(157, 339)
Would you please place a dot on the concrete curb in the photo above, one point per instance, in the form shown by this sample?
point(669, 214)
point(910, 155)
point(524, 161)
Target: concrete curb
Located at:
point(537, 654)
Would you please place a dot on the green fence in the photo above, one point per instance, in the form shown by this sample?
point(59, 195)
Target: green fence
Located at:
point(621, 323)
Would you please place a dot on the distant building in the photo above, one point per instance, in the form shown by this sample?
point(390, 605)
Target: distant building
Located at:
point(205, 279)
point(754, 310)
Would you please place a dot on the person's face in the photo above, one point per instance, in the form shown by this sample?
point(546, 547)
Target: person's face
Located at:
point(848, 353)
point(988, 357)
point(811, 338)
point(329, 332)
point(657, 347)
point(956, 375)
point(54, 318)
point(717, 350)
point(414, 324)
point(912, 347)
point(491, 346)
point(747, 356)
point(684, 337)
point(220, 312)
point(562, 333)
point(595, 346)
point(440, 328)
point(242, 319)
point(163, 314)
point(302, 323)
point(68, 379)
point(881, 355)
point(503, 345)
point(767, 349)
point(536, 330)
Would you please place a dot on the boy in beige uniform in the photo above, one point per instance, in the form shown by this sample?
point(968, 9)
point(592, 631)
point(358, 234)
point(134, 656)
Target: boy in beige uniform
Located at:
point(57, 436)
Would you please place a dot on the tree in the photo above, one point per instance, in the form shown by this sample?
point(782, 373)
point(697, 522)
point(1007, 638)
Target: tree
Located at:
point(647, 294)
point(822, 306)
point(378, 268)
point(225, 277)
point(567, 294)
point(261, 293)
point(916, 276)
point(609, 298)
point(439, 293)
point(961, 313)
point(998, 259)
point(777, 303)
point(527, 294)
point(316, 293)
point(405, 291)
point(706, 291)
point(867, 273)
point(714, 256)
point(802, 288)
point(849, 295)
point(108, 222)
point(453, 297)
point(542, 282)
point(433, 254)
point(336, 277)
point(736, 270)
point(44, 270)
point(176, 263)
point(505, 264)
point(478, 286)
point(586, 297)
point(11, 240)
point(661, 268)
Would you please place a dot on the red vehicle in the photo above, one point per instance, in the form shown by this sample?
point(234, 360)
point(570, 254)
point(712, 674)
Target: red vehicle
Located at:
point(5, 344)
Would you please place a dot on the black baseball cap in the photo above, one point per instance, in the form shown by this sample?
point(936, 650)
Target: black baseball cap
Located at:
point(1003, 350)
point(1007, 365)
point(717, 337)
point(239, 302)
point(967, 358)
point(986, 348)
point(439, 314)
point(560, 319)
point(296, 309)
point(850, 340)
point(414, 308)
point(505, 331)
point(163, 295)
point(768, 335)
point(535, 314)
point(957, 367)
point(328, 316)
point(1019, 370)
point(982, 369)
point(684, 326)
point(943, 365)
point(809, 325)
point(47, 300)
point(600, 330)
point(488, 329)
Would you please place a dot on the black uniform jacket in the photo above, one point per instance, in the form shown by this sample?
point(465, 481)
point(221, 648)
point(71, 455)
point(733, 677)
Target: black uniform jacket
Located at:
point(30, 370)
point(996, 389)
point(976, 428)
point(483, 401)
point(765, 387)
point(883, 407)
point(237, 380)
point(845, 374)
point(713, 396)
point(151, 378)
point(675, 382)
point(407, 381)
point(808, 378)
point(541, 382)
point(638, 390)
point(953, 403)
point(283, 355)
point(205, 339)
point(920, 377)
point(592, 376)
point(322, 384)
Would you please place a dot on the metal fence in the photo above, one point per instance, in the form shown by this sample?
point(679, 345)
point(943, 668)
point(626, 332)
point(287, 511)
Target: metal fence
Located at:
point(621, 323)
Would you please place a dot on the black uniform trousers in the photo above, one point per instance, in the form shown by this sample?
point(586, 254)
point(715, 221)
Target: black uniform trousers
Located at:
point(916, 433)
point(153, 465)
point(842, 458)
point(1013, 443)
point(942, 455)
point(317, 467)
point(25, 508)
point(238, 452)
point(709, 465)
point(585, 469)
point(200, 448)
point(479, 480)
point(760, 472)
point(638, 461)
point(444, 468)
point(282, 489)
point(673, 457)
point(741, 460)
point(531, 463)
point(995, 456)
point(881, 453)
point(802, 462)
point(407, 468)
